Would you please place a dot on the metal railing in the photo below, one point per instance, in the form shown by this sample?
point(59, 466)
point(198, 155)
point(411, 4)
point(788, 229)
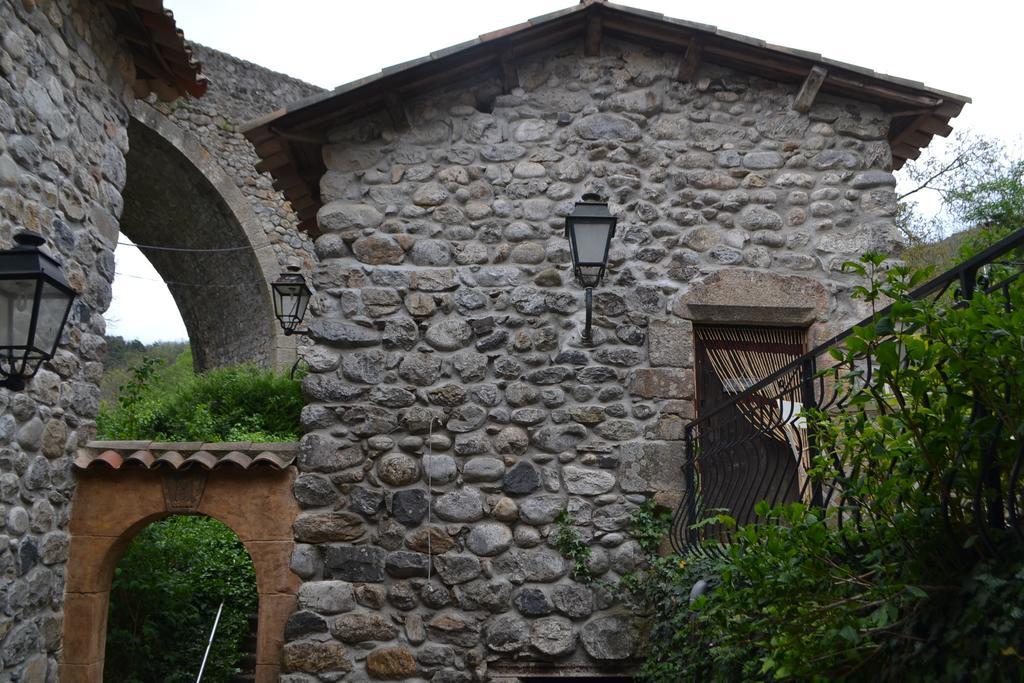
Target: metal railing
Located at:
point(756, 447)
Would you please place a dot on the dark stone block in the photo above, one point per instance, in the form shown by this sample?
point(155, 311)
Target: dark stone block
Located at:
point(365, 501)
point(403, 564)
point(596, 375)
point(482, 325)
point(314, 491)
point(303, 623)
point(532, 602)
point(571, 358)
point(409, 506)
point(495, 340)
point(28, 555)
point(551, 375)
point(355, 563)
point(521, 480)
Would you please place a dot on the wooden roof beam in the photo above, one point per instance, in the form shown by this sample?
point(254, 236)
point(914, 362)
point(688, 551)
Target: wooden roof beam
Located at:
point(809, 90)
point(396, 111)
point(509, 72)
point(592, 41)
point(906, 151)
point(935, 126)
point(690, 62)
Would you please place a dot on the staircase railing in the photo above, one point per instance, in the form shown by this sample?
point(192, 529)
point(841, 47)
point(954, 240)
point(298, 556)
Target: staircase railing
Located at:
point(732, 453)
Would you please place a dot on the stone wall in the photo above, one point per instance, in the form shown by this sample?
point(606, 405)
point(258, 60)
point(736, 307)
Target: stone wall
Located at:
point(65, 113)
point(64, 102)
point(192, 184)
point(240, 91)
point(453, 411)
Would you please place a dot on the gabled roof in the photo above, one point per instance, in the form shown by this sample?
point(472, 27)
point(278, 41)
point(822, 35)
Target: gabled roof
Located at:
point(163, 62)
point(289, 140)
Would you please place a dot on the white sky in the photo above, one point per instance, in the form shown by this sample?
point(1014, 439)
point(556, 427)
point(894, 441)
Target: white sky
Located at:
point(971, 49)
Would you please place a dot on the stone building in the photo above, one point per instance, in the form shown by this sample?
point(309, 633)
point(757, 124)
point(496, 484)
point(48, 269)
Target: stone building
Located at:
point(452, 409)
point(102, 131)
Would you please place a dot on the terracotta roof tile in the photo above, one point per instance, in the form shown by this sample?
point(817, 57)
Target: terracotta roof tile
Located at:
point(172, 459)
point(144, 458)
point(116, 455)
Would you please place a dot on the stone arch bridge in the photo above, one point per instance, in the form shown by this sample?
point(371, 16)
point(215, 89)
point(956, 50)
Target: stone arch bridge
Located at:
point(221, 232)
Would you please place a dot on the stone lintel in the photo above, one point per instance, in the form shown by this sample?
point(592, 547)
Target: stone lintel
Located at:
point(750, 297)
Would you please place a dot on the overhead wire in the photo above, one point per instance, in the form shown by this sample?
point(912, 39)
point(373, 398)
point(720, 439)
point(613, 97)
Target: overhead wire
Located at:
point(189, 250)
point(183, 284)
point(192, 249)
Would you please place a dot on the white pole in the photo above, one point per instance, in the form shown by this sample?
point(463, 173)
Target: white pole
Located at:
point(206, 654)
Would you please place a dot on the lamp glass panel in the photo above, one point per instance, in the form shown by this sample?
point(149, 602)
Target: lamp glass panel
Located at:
point(589, 275)
point(16, 299)
point(591, 240)
point(53, 307)
point(290, 301)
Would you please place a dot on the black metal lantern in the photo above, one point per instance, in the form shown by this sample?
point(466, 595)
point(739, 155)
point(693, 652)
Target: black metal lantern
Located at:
point(291, 296)
point(35, 300)
point(589, 229)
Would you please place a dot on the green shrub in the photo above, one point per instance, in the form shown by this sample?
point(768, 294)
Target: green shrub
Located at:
point(241, 403)
point(914, 590)
point(164, 598)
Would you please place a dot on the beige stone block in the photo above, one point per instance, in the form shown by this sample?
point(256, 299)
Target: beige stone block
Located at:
point(753, 297)
point(110, 503)
point(661, 383)
point(258, 506)
point(271, 560)
point(81, 673)
point(274, 611)
point(670, 343)
point(91, 562)
point(85, 627)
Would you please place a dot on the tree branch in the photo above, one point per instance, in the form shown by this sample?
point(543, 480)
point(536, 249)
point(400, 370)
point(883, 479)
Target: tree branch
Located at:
point(958, 162)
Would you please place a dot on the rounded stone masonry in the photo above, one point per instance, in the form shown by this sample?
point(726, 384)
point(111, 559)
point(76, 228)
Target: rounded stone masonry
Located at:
point(457, 414)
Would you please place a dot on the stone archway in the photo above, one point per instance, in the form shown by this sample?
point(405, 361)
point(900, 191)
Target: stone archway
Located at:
point(177, 196)
point(113, 505)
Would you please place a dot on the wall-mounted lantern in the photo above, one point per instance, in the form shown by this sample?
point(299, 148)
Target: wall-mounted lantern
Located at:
point(35, 300)
point(291, 296)
point(589, 229)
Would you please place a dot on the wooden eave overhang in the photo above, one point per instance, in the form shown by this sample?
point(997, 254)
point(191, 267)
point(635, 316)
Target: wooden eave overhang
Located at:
point(289, 140)
point(163, 62)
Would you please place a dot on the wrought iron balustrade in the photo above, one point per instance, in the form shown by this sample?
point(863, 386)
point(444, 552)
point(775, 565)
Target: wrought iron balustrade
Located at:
point(756, 446)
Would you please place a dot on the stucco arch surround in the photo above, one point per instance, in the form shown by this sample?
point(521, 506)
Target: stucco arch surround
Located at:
point(112, 507)
point(177, 195)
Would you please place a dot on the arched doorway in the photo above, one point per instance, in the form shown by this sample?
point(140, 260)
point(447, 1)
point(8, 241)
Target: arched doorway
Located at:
point(184, 582)
point(113, 504)
point(178, 199)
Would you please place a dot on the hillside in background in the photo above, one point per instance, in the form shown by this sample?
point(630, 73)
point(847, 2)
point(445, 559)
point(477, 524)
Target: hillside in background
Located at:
point(942, 254)
point(123, 355)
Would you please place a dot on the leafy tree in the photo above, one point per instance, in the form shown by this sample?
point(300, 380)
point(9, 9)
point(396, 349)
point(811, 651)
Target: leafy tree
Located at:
point(164, 598)
point(957, 188)
point(945, 171)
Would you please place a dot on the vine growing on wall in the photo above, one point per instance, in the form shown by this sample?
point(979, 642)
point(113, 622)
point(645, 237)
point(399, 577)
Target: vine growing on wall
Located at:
point(573, 547)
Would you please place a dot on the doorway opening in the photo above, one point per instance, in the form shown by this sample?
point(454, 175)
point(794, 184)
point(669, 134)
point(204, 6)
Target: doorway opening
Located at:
point(761, 462)
point(179, 577)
